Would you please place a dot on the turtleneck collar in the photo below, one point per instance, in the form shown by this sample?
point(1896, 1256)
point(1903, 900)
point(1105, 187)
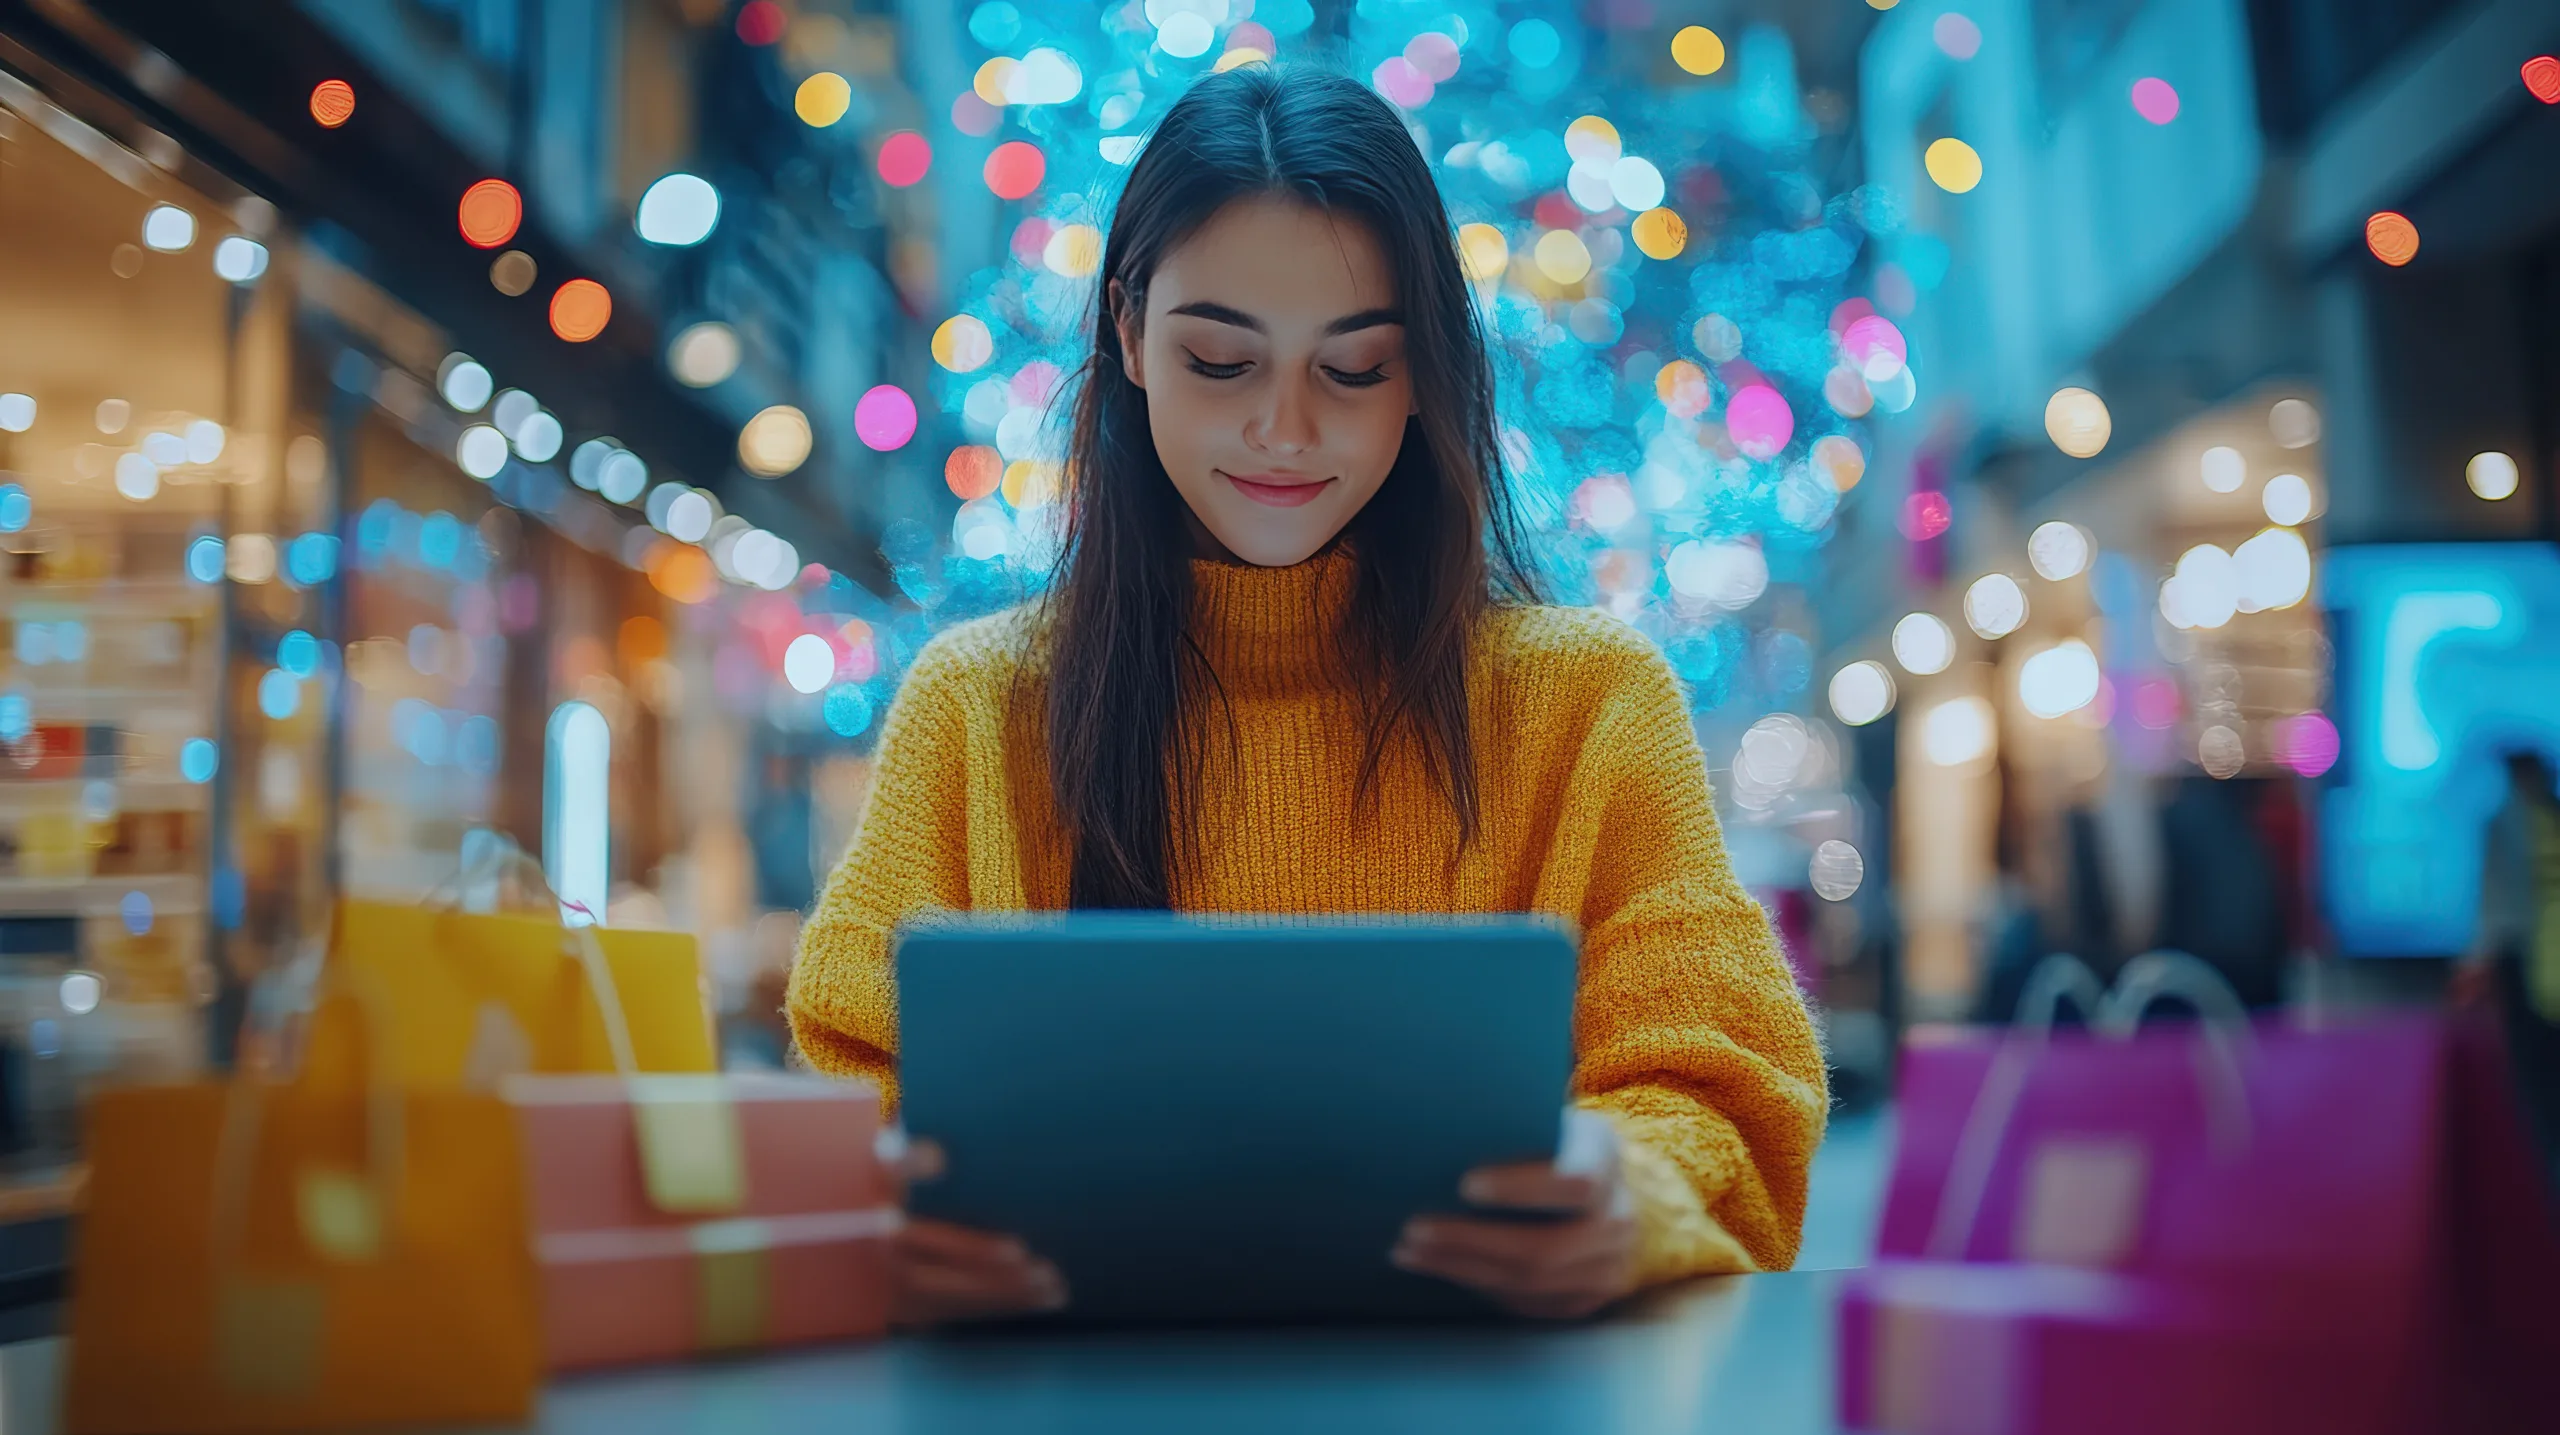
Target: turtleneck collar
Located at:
point(1272, 629)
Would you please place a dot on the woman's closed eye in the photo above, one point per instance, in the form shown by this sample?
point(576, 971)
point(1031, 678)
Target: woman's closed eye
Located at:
point(1366, 378)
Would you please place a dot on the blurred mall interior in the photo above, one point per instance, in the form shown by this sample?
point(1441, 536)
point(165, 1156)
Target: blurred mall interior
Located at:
point(2092, 461)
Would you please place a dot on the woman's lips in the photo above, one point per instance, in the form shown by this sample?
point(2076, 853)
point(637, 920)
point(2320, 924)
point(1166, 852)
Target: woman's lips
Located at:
point(1276, 491)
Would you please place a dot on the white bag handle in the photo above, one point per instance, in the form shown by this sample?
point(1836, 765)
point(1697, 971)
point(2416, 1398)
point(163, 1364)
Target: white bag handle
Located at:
point(2114, 1015)
point(504, 860)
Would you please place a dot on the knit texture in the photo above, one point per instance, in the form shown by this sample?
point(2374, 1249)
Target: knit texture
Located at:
point(1689, 1032)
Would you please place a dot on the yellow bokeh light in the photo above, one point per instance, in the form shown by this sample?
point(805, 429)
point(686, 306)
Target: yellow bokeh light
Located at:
point(1882, 4)
point(1838, 458)
point(1483, 252)
point(991, 79)
point(1074, 251)
point(1244, 55)
point(1592, 140)
point(1953, 165)
point(1562, 257)
point(1660, 233)
point(1698, 50)
point(1028, 483)
point(1682, 386)
point(822, 99)
point(2078, 423)
point(963, 344)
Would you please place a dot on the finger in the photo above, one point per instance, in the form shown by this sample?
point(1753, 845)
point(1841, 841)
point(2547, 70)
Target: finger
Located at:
point(1524, 1247)
point(1532, 1186)
point(943, 1243)
point(934, 1294)
point(910, 1159)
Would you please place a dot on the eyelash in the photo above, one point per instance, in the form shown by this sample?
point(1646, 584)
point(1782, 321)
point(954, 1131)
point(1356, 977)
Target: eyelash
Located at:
point(1366, 379)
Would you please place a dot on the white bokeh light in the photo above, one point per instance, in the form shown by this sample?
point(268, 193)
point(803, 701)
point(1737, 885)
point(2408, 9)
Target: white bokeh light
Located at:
point(679, 210)
point(2274, 570)
point(1923, 644)
point(1995, 605)
point(168, 229)
point(1957, 732)
point(2057, 551)
point(464, 383)
point(2287, 499)
point(2223, 469)
point(2208, 587)
point(1861, 693)
point(2060, 680)
point(481, 451)
point(809, 664)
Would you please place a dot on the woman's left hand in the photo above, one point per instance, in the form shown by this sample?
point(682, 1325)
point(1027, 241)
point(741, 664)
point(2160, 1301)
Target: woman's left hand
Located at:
point(1582, 1257)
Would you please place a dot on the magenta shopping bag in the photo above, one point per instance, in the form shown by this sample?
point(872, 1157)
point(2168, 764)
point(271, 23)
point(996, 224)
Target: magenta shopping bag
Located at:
point(2073, 1216)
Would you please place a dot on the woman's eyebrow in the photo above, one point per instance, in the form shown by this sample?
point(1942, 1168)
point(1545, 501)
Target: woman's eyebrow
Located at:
point(1218, 313)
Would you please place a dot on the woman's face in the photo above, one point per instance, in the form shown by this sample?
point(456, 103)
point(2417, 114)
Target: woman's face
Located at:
point(1272, 355)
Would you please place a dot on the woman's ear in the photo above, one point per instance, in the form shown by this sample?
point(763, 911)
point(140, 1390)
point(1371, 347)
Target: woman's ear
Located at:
point(1125, 318)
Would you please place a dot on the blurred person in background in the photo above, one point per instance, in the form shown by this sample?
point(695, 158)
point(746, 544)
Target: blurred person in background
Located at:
point(2517, 950)
point(1293, 663)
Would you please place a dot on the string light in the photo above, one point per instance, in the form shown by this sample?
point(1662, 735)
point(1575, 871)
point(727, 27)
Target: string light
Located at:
point(2391, 237)
point(490, 212)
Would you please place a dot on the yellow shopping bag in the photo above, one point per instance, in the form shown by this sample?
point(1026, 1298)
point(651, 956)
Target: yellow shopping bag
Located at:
point(257, 1256)
point(475, 996)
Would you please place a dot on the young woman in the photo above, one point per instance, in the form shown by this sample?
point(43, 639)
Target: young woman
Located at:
point(1291, 665)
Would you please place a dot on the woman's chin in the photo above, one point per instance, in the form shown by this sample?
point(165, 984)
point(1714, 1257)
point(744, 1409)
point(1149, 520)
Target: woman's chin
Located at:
point(1266, 543)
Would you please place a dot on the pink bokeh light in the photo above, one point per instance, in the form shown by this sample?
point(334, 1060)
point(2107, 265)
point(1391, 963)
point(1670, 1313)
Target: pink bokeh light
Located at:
point(1926, 514)
point(905, 157)
point(1434, 54)
point(1402, 81)
point(2307, 743)
point(1759, 420)
point(885, 418)
point(2154, 100)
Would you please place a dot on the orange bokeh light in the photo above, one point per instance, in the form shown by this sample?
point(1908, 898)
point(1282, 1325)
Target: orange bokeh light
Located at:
point(682, 572)
point(973, 470)
point(333, 103)
point(491, 210)
point(579, 310)
point(2391, 237)
point(2542, 78)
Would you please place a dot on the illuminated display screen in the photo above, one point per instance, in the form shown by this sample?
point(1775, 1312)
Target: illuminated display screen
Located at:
point(2448, 658)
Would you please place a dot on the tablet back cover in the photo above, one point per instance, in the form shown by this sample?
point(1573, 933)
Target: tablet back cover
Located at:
point(1205, 1119)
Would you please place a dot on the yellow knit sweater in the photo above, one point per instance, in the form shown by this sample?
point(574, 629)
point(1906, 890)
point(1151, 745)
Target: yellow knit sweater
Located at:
point(1689, 1031)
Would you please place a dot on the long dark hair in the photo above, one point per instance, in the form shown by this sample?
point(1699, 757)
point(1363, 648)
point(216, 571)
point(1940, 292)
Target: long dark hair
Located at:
point(1433, 549)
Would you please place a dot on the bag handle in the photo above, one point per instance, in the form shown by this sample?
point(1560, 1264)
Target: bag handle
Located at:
point(1986, 1124)
point(2222, 1029)
point(2115, 1015)
point(348, 1222)
point(503, 860)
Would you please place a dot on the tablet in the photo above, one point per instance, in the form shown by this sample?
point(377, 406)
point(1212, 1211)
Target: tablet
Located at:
point(1205, 1119)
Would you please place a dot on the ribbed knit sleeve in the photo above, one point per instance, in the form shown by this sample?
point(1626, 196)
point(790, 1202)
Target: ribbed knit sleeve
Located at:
point(1691, 1033)
point(909, 855)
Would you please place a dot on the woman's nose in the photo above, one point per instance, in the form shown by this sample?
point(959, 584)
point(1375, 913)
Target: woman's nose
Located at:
point(1286, 425)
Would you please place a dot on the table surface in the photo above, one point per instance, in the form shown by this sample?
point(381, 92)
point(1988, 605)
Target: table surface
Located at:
point(1749, 1353)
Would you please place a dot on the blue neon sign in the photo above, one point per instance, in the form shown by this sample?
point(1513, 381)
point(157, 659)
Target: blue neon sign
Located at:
point(2448, 657)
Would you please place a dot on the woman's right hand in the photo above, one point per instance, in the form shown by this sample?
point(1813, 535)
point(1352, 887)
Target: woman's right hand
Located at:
point(942, 1273)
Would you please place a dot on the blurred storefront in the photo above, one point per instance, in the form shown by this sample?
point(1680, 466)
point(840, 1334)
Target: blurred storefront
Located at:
point(138, 390)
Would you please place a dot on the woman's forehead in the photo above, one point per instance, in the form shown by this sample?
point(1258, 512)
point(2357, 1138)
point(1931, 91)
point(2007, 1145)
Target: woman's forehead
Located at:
point(1289, 265)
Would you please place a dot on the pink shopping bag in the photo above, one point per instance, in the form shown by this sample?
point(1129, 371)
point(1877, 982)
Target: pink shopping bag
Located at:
point(2081, 1229)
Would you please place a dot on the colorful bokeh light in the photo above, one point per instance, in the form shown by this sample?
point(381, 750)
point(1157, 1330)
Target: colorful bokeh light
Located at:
point(2542, 78)
point(333, 103)
point(1698, 50)
point(885, 417)
point(905, 159)
point(580, 309)
point(2391, 237)
point(2155, 100)
point(1015, 169)
point(1953, 165)
point(490, 213)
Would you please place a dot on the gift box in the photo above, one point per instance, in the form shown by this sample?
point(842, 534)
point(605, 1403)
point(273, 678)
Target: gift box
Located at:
point(682, 1215)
